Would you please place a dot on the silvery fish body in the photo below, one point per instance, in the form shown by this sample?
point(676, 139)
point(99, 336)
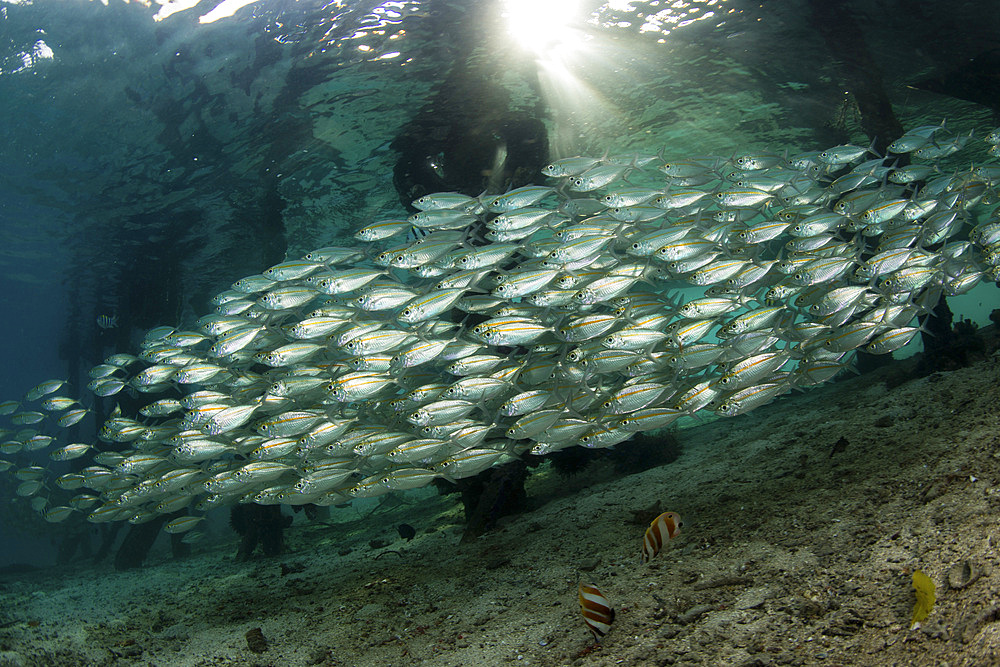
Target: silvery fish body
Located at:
point(354, 372)
point(43, 389)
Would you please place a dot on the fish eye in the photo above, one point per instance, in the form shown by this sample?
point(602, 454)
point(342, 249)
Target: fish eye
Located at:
point(408, 312)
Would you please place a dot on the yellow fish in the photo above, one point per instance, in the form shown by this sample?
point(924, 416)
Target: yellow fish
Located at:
point(923, 586)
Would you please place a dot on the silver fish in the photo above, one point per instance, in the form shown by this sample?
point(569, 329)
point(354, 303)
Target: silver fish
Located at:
point(325, 378)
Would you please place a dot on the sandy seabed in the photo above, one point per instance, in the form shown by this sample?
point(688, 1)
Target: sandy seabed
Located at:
point(803, 523)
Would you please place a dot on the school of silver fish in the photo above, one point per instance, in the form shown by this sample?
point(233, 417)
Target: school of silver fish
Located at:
point(631, 291)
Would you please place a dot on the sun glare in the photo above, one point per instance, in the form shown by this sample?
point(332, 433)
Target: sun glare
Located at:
point(541, 25)
point(558, 36)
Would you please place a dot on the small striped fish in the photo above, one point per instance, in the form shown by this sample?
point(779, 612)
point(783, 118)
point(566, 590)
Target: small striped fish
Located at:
point(665, 527)
point(597, 612)
point(107, 321)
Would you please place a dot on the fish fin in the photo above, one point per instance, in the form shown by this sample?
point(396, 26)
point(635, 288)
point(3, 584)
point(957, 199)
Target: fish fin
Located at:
point(871, 148)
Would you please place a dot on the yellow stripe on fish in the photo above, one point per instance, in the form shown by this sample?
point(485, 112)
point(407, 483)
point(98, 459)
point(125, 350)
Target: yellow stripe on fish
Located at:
point(183, 524)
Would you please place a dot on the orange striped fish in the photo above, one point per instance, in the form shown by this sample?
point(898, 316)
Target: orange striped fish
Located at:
point(597, 612)
point(665, 527)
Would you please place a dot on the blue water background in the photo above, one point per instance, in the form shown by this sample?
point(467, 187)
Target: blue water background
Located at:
point(138, 157)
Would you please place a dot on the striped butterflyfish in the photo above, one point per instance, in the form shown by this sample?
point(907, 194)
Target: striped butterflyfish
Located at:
point(597, 612)
point(665, 527)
